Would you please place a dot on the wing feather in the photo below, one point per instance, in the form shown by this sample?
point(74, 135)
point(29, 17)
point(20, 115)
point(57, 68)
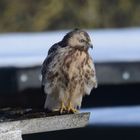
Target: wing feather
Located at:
point(45, 66)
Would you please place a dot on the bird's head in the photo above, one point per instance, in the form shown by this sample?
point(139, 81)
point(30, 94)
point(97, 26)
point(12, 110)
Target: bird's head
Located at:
point(78, 39)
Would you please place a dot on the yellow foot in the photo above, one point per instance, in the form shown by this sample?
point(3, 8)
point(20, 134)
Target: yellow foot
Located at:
point(71, 109)
point(62, 108)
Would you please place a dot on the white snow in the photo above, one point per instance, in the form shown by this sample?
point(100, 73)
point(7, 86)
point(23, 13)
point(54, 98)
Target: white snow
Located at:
point(115, 116)
point(30, 49)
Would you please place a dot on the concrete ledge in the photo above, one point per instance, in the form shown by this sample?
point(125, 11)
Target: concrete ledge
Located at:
point(45, 124)
point(11, 135)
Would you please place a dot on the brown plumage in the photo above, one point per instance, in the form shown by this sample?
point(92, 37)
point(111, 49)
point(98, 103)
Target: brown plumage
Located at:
point(68, 72)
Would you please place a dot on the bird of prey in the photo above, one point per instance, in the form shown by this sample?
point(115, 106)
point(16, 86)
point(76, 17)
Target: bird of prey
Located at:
point(68, 72)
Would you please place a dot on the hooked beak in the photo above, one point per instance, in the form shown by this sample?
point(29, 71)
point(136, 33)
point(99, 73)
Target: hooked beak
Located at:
point(90, 45)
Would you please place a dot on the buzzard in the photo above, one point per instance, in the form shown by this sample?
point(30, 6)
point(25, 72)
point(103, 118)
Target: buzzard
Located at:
point(68, 72)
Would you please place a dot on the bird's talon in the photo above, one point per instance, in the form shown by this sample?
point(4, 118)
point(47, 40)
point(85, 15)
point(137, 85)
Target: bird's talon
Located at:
point(62, 109)
point(71, 109)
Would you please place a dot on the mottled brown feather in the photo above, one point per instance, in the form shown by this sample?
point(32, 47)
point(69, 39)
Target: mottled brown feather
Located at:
point(68, 72)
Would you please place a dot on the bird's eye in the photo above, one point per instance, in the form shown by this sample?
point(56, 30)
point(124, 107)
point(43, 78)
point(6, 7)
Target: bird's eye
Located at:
point(82, 40)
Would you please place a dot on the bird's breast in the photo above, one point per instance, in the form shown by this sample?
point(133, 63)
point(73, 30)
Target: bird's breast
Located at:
point(75, 63)
point(75, 58)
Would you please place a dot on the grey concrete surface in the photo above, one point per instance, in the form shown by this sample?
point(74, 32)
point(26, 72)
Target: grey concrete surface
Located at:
point(14, 129)
point(11, 135)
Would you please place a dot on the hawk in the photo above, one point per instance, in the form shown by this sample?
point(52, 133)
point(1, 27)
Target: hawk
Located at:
point(68, 72)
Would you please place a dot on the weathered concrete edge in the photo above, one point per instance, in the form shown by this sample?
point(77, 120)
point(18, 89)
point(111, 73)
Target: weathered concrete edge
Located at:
point(11, 135)
point(46, 124)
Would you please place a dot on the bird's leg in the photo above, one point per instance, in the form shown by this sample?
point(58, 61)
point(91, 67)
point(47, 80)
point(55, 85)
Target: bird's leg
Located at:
point(71, 109)
point(62, 108)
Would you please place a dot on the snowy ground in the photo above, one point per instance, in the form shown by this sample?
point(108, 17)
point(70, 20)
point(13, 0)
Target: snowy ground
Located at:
point(30, 49)
point(115, 116)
